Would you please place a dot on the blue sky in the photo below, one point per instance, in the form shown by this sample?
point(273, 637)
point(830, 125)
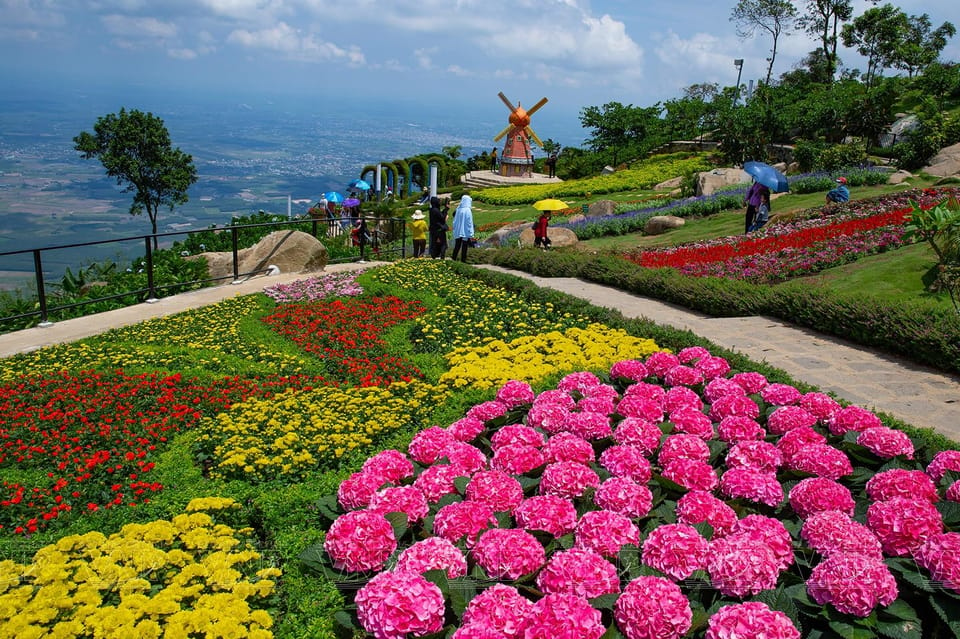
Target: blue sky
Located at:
point(444, 54)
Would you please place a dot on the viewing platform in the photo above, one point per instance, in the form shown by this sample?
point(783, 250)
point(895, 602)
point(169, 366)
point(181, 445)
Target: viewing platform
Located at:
point(486, 179)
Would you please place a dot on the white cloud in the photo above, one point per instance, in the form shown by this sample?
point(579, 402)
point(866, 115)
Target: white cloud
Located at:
point(119, 25)
point(424, 57)
point(291, 42)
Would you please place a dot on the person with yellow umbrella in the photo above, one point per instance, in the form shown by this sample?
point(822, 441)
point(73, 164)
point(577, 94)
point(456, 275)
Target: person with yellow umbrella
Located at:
point(540, 238)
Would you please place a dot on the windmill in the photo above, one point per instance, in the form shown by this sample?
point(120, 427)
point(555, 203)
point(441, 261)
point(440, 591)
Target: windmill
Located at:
point(517, 158)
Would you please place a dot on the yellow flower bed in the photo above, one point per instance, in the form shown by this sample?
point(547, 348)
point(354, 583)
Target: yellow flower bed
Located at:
point(185, 577)
point(536, 357)
point(296, 432)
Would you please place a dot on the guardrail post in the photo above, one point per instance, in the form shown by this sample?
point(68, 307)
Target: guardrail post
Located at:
point(151, 290)
point(236, 260)
point(41, 292)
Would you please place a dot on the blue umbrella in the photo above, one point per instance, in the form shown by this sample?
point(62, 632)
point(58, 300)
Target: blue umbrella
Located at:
point(362, 185)
point(767, 176)
point(333, 196)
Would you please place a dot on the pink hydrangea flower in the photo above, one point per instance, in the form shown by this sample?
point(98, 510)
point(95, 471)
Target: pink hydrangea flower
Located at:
point(605, 532)
point(786, 418)
point(832, 531)
point(549, 513)
point(886, 443)
point(497, 489)
point(852, 418)
point(360, 541)
point(903, 524)
point(396, 605)
point(942, 462)
point(712, 367)
point(555, 396)
point(508, 553)
point(477, 631)
point(589, 426)
point(485, 411)
point(465, 458)
point(601, 391)
point(797, 438)
point(463, 519)
point(780, 394)
point(624, 460)
point(953, 491)
point(750, 382)
point(580, 381)
point(568, 447)
point(433, 553)
point(517, 434)
point(646, 390)
point(759, 455)
point(940, 556)
point(515, 394)
point(645, 408)
point(466, 429)
point(819, 404)
point(562, 615)
point(692, 354)
point(629, 369)
point(750, 619)
point(699, 506)
point(600, 405)
point(676, 550)
point(567, 479)
point(653, 608)
point(436, 481)
point(681, 375)
point(854, 584)
point(426, 445)
point(721, 387)
point(753, 485)
point(681, 397)
point(730, 405)
point(660, 362)
point(549, 416)
point(389, 466)
point(739, 565)
point(518, 459)
point(693, 422)
point(737, 429)
point(817, 494)
point(400, 499)
point(692, 474)
point(771, 532)
point(357, 490)
point(624, 496)
point(900, 482)
point(820, 459)
point(638, 432)
point(499, 607)
point(578, 572)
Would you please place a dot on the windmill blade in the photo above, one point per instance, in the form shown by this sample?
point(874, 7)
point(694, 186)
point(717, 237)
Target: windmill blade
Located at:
point(536, 106)
point(507, 102)
point(533, 135)
point(503, 133)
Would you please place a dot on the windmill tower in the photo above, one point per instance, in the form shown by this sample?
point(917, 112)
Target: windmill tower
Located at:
point(517, 157)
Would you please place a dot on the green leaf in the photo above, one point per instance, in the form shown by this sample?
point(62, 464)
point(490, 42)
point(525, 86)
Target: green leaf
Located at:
point(950, 510)
point(612, 633)
point(948, 608)
point(899, 621)
point(605, 602)
point(343, 625)
point(399, 523)
point(851, 631)
point(314, 559)
point(460, 483)
point(781, 600)
point(462, 590)
point(328, 507)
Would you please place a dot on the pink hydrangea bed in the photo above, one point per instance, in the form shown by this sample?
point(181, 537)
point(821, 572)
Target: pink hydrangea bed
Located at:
point(625, 500)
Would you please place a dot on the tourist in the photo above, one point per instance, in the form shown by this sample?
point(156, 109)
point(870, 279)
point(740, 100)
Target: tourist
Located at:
point(438, 228)
point(551, 163)
point(494, 161)
point(540, 239)
point(839, 193)
point(462, 228)
point(418, 230)
point(445, 215)
point(757, 196)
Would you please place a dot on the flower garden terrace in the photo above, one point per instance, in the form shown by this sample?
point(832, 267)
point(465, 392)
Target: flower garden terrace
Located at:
point(419, 451)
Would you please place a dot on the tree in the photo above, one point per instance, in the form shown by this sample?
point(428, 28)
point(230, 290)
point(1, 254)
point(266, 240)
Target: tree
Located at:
point(823, 20)
point(939, 80)
point(452, 152)
point(773, 16)
point(623, 132)
point(134, 147)
point(921, 45)
point(876, 35)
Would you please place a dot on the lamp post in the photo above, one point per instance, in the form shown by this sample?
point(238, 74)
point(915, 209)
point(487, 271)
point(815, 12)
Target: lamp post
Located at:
point(739, 64)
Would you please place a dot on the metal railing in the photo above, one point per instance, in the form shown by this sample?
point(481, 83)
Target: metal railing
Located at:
point(387, 238)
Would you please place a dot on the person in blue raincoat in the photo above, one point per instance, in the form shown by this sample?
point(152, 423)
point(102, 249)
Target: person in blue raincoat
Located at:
point(462, 227)
point(840, 193)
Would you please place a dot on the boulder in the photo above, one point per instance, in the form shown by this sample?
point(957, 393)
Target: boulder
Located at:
point(661, 223)
point(668, 185)
point(780, 166)
point(559, 236)
point(602, 208)
point(899, 177)
point(793, 167)
point(608, 170)
point(946, 163)
point(288, 251)
point(709, 181)
point(498, 237)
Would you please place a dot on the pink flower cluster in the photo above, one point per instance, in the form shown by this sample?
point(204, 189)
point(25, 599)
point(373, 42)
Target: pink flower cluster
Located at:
point(854, 584)
point(499, 490)
point(753, 485)
point(653, 608)
point(567, 479)
point(741, 565)
point(816, 494)
point(750, 619)
point(677, 550)
point(499, 608)
point(508, 553)
point(515, 394)
point(625, 496)
point(401, 499)
point(549, 513)
point(563, 615)
point(832, 531)
point(395, 605)
point(359, 541)
point(899, 482)
point(605, 532)
point(940, 555)
point(463, 519)
point(433, 553)
point(579, 572)
point(699, 506)
point(902, 524)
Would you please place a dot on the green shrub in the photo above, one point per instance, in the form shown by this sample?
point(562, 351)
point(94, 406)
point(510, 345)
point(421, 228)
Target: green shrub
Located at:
point(838, 156)
point(807, 154)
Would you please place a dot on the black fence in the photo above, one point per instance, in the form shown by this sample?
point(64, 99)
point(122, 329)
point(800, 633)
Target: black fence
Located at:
point(385, 239)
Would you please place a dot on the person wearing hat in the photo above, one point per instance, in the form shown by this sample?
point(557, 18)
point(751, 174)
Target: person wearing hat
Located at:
point(418, 231)
point(840, 193)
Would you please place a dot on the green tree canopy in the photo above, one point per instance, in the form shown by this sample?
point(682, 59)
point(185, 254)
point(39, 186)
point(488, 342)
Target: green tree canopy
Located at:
point(776, 17)
point(922, 44)
point(876, 35)
point(134, 147)
point(823, 20)
point(622, 132)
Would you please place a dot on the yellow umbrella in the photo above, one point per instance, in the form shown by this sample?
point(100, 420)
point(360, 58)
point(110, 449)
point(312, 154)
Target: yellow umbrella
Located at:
point(550, 205)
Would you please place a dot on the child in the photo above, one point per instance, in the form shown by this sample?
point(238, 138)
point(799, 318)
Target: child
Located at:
point(418, 230)
point(540, 238)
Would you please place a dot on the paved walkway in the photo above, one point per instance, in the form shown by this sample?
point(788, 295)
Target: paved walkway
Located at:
point(914, 394)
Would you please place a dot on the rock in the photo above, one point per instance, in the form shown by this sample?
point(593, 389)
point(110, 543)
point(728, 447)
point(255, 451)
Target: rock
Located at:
point(709, 181)
point(288, 251)
point(793, 167)
point(945, 163)
point(559, 237)
point(780, 166)
point(607, 170)
point(669, 184)
point(661, 223)
point(498, 237)
point(899, 177)
point(602, 208)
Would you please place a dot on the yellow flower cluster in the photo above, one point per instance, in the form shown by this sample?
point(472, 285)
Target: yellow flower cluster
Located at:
point(199, 333)
point(296, 432)
point(185, 577)
point(537, 357)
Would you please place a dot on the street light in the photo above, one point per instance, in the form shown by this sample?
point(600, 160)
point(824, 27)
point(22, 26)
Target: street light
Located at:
point(739, 64)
